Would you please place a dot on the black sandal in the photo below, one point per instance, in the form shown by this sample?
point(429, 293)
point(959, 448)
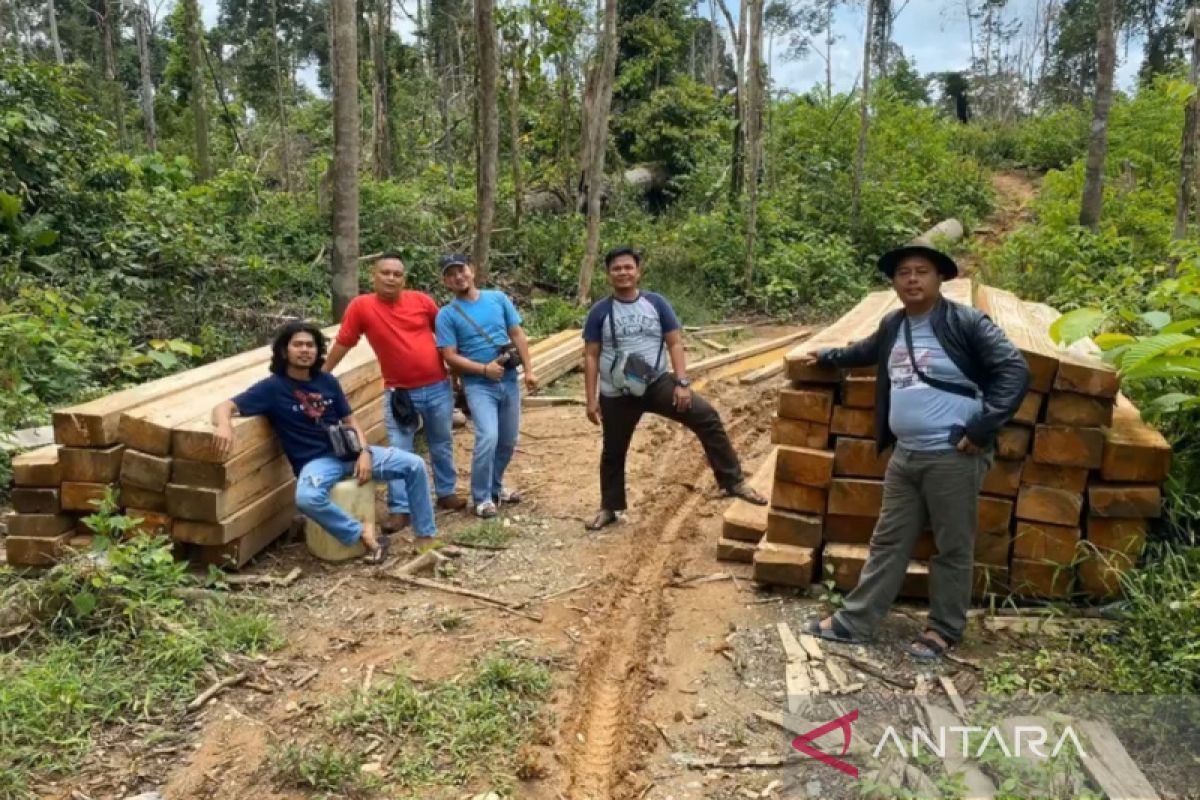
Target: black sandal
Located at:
point(601, 520)
point(744, 491)
point(378, 555)
point(926, 648)
point(837, 632)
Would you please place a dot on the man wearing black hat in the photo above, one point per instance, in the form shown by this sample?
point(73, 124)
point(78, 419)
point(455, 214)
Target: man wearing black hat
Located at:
point(947, 380)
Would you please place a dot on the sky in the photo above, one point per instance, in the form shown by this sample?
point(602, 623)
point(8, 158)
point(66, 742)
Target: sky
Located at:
point(934, 33)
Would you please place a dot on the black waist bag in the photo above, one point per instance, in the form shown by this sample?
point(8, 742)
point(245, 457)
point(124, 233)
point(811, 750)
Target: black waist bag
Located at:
point(403, 410)
point(344, 441)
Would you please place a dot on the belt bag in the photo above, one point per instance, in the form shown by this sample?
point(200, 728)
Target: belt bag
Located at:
point(631, 374)
point(345, 442)
point(403, 410)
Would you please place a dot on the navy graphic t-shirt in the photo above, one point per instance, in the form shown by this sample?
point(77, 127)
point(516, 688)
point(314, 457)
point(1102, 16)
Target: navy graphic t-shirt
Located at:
point(299, 412)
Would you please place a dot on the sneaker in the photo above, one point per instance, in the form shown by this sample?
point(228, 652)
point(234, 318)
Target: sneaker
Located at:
point(509, 496)
point(451, 502)
point(485, 510)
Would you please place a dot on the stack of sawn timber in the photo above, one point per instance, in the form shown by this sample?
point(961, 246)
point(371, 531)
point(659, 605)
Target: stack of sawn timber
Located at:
point(1077, 464)
point(556, 355)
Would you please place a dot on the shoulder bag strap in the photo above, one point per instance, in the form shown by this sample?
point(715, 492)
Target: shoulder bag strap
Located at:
point(478, 328)
point(945, 386)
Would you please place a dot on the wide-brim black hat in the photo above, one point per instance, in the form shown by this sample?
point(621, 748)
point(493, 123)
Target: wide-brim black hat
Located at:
point(944, 263)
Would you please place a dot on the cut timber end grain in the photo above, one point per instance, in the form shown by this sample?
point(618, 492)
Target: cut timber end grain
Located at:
point(846, 561)
point(1118, 535)
point(258, 512)
point(799, 498)
point(28, 551)
point(222, 476)
point(91, 465)
point(855, 497)
point(853, 422)
point(1004, 478)
point(78, 496)
point(153, 522)
point(744, 521)
point(732, 550)
point(798, 530)
point(1030, 410)
point(804, 465)
point(1100, 574)
point(809, 405)
point(1054, 506)
point(1069, 479)
point(1012, 442)
point(40, 467)
point(1068, 447)
point(858, 392)
point(39, 525)
point(237, 553)
point(214, 505)
point(849, 530)
point(1040, 542)
point(798, 433)
point(859, 458)
point(1134, 451)
point(781, 565)
point(1125, 500)
point(1089, 376)
point(35, 500)
point(994, 514)
point(137, 497)
point(145, 470)
point(991, 549)
point(1027, 333)
point(1078, 410)
point(1035, 579)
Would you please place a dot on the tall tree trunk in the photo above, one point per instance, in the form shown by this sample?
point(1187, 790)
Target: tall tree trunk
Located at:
point(110, 30)
point(15, 20)
point(285, 144)
point(142, 29)
point(1187, 159)
point(596, 128)
point(346, 133)
point(381, 132)
point(52, 21)
point(514, 132)
point(488, 152)
point(754, 116)
point(738, 34)
point(191, 24)
point(1106, 58)
point(864, 122)
point(714, 41)
point(829, 49)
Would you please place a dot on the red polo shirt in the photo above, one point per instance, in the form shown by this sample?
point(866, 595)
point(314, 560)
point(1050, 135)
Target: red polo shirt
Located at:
point(400, 333)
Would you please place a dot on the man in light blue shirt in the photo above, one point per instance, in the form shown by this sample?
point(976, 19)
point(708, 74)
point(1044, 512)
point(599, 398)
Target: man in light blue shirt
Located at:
point(479, 335)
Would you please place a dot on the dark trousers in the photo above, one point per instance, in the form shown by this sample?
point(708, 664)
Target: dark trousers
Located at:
point(620, 416)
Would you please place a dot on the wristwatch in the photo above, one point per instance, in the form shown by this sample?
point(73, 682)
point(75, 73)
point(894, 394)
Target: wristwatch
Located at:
point(683, 383)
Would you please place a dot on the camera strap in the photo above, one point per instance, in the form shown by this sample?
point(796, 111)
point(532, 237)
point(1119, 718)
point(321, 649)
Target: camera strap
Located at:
point(478, 328)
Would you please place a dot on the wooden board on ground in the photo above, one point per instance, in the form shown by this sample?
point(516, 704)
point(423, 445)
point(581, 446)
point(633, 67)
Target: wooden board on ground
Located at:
point(146, 470)
point(1109, 764)
point(1134, 452)
point(36, 500)
point(733, 550)
point(91, 464)
point(258, 512)
point(797, 530)
point(742, 353)
point(83, 496)
point(1052, 506)
point(1078, 410)
point(744, 521)
point(214, 505)
point(40, 467)
point(783, 565)
point(859, 322)
point(1064, 446)
point(976, 783)
point(1138, 500)
point(237, 553)
point(38, 525)
point(1025, 331)
point(848, 560)
point(804, 465)
point(36, 551)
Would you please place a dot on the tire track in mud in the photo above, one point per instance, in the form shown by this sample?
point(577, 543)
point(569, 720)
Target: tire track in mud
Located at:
point(613, 673)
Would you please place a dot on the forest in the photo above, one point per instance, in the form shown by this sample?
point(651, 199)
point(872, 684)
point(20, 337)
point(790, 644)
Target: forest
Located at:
point(172, 189)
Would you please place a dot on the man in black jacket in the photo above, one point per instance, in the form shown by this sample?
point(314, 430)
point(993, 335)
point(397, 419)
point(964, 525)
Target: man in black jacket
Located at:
point(948, 379)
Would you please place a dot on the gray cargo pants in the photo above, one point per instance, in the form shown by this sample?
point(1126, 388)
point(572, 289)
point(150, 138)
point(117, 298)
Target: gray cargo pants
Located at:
point(920, 489)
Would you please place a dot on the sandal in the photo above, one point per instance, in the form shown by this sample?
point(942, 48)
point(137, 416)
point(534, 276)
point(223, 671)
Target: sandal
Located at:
point(378, 555)
point(744, 491)
point(602, 520)
point(927, 648)
point(837, 632)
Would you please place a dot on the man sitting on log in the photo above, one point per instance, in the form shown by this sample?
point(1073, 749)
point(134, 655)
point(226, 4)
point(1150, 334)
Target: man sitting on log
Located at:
point(399, 325)
point(625, 338)
point(947, 380)
point(311, 416)
point(480, 335)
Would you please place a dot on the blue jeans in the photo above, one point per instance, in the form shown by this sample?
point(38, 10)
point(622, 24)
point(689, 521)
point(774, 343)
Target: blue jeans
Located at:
point(496, 414)
point(387, 463)
point(435, 404)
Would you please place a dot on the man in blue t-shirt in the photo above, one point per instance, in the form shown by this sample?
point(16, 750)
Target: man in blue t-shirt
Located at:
point(301, 403)
point(479, 335)
point(627, 338)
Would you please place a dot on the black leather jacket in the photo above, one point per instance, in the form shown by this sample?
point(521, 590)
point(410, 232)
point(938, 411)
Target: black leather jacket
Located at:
point(972, 341)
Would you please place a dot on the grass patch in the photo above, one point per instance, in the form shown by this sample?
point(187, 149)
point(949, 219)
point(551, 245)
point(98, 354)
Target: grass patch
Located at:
point(322, 768)
point(112, 644)
point(473, 726)
point(492, 535)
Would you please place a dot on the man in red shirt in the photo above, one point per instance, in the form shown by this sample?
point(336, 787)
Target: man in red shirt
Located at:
point(399, 326)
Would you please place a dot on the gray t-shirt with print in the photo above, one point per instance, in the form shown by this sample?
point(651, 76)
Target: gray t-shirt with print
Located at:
point(640, 326)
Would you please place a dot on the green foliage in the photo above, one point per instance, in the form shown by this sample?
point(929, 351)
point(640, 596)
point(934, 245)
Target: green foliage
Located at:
point(1050, 140)
point(675, 127)
point(320, 767)
point(492, 534)
point(116, 645)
